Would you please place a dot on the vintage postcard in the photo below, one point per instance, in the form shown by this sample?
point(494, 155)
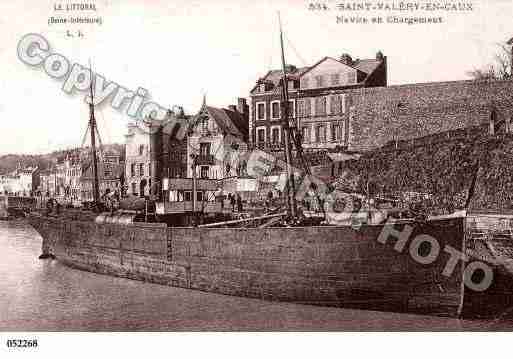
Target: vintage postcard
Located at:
point(255, 166)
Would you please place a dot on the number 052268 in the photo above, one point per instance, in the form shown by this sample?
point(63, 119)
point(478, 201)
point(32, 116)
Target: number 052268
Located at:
point(21, 343)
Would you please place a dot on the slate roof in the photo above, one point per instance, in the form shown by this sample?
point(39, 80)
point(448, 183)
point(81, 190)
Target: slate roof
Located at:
point(275, 76)
point(367, 66)
point(230, 122)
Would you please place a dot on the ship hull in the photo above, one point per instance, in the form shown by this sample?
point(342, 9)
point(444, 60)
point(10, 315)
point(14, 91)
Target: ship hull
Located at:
point(330, 266)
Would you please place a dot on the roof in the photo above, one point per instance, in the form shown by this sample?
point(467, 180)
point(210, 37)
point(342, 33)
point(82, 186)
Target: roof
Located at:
point(229, 121)
point(274, 76)
point(239, 121)
point(367, 66)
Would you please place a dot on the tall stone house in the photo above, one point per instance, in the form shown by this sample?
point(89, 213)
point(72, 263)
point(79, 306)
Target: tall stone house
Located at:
point(110, 175)
point(216, 136)
point(319, 101)
point(71, 169)
point(155, 150)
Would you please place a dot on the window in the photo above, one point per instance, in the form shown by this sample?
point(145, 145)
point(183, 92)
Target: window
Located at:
point(204, 171)
point(204, 124)
point(204, 149)
point(188, 196)
point(308, 107)
point(300, 108)
point(320, 136)
point(320, 106)
point(262, 87)
point(141, 169)
point(291, 109)
point(275, 109)
point(305, 132)
point(134, 188)
point(275, 135)
point(319, 80)
point(261, 135)
point(305, 82)
point(260, 108)
point(199, 196)
point(141, 150)
point(107, 173)
point(335, 79)
point(335, 132)
point(335, 104)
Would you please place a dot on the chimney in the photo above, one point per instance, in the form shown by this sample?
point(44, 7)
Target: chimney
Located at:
point(346, 59)
point(242, 106)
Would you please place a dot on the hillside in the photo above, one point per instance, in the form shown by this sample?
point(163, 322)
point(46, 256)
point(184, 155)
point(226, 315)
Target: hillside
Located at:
point(9, 162)
point(444, 169)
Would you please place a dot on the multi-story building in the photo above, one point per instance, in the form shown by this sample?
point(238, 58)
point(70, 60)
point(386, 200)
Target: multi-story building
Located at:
point(47, 183)
point(214, 135)
point(319, 101)
point(155, 149)
point(71, 169)
point(21, 182)
point(137, 162)
point(110, 175)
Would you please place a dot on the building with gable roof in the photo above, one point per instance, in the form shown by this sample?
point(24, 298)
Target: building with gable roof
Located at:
point(215, 137)
point(110, 175)
point(155, 150)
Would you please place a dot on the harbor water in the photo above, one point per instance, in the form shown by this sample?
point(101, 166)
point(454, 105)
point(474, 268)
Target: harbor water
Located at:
point(44, 295)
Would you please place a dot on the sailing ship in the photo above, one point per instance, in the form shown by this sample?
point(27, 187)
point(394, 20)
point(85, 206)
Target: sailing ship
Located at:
point(280, 258)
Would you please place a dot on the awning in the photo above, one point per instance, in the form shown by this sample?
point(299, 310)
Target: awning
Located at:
point(341, 157)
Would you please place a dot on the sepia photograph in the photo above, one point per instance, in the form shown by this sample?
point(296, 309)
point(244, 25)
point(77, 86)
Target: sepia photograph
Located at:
point(292, 169)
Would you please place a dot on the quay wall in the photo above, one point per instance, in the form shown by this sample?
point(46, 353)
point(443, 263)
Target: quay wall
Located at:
point(333, 266)
point(15, 205)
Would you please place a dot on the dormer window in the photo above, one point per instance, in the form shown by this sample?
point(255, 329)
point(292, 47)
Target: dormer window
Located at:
point(262, 87)
point(335, 79)
point(204, 124)
point(319, 81)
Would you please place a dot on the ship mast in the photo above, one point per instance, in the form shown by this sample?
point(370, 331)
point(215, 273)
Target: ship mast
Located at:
point(291, 192)
point(92, 126)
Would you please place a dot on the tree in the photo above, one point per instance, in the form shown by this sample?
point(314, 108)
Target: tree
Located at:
point(500, 68)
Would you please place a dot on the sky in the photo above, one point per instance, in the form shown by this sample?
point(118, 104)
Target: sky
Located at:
point(181, 50)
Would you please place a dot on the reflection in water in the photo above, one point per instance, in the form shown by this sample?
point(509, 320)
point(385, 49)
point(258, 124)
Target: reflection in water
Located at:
point(45, 295)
